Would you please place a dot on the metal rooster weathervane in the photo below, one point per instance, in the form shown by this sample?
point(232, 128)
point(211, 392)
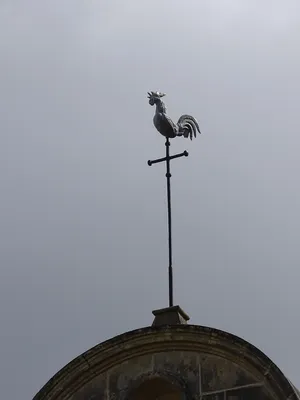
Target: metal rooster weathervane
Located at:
point(186, 126)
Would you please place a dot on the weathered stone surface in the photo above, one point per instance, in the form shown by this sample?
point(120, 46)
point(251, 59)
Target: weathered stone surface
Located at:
point(172, 363)
point(218, 373)
point(170, 316)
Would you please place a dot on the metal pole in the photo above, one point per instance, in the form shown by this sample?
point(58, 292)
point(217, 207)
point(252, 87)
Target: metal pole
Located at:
point(168, 158)
point(168, 175)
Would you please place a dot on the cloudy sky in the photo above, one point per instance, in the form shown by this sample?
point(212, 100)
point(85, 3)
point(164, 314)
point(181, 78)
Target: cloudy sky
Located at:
point(83, 241)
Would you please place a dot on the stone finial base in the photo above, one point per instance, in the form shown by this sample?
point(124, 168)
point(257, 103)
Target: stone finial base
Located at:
point(170, 316)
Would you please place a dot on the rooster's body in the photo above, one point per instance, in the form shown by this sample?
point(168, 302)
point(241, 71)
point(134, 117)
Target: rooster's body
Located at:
point(187, 126)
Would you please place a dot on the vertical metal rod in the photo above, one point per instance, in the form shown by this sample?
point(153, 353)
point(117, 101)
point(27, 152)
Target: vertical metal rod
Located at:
point(168, 158)
point(168, 175)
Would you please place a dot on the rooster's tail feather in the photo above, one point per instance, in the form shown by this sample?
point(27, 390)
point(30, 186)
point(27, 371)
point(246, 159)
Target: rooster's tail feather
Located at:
point(188, 126)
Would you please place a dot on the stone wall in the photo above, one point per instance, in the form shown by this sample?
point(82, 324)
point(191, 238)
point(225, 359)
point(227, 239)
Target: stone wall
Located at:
point(198, 362)
point(198, 375)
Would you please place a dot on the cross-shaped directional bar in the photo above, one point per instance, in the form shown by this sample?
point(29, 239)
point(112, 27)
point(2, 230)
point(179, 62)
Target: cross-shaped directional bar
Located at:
point(167, 159)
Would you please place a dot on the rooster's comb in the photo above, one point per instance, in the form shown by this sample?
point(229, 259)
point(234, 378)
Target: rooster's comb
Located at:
point(155, 94)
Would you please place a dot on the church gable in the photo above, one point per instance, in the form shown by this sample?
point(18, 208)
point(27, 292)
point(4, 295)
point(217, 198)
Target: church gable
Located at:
point(182, 362)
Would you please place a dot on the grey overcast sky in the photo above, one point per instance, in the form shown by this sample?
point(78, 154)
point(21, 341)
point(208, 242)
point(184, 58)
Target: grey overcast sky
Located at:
point(83, 238)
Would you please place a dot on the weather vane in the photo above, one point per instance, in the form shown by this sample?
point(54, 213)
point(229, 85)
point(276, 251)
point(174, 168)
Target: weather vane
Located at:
point(187, 126)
